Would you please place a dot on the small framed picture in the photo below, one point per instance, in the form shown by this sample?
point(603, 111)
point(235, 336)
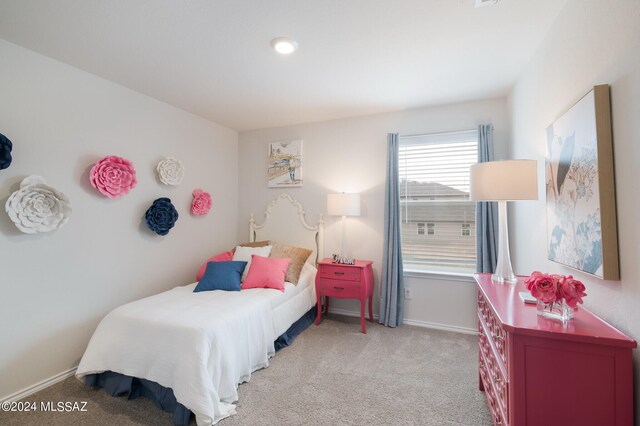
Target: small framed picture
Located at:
point(285, 164)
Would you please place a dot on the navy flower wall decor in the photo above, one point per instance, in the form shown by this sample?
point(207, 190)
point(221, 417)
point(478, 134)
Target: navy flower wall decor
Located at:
point(161, 216)
point(5, 152)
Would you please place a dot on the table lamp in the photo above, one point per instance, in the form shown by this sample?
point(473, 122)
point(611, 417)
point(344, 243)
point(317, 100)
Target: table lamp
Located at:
point(343, 205)
point(502, 181)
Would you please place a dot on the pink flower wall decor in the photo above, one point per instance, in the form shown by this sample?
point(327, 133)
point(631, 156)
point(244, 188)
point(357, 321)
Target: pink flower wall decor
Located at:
point(201, 202)
point(113, 176)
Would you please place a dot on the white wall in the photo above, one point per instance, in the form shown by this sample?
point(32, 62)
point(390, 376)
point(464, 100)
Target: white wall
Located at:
point(592, 42)
point(55, 288)
point(349, 155)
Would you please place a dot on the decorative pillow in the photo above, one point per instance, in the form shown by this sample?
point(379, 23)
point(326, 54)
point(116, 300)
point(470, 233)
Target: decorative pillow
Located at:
point(254, 244)
point(220, 257)
point(221, 276)
point(244, 254)
point(266, 272)
point(298, 256)
point(307, 275)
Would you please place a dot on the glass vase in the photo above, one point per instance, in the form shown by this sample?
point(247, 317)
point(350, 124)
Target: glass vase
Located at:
point(555, 310)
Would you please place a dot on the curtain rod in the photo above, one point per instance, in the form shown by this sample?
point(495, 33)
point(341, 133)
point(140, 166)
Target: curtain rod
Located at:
point(439, 133)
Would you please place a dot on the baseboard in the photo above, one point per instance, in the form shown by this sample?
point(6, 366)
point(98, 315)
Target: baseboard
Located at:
point(424, 324)
point(444, 327)
point(39, 386)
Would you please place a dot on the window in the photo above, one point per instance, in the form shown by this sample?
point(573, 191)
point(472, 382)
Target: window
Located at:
point(431, 229)
point(434, 192)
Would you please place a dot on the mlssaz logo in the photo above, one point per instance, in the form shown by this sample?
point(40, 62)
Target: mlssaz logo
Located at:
point(63, 406)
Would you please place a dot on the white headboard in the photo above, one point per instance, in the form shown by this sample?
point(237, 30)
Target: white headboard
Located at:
point(285, 222)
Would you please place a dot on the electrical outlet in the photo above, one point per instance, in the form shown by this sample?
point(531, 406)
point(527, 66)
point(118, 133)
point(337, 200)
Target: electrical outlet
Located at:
point(407, 293)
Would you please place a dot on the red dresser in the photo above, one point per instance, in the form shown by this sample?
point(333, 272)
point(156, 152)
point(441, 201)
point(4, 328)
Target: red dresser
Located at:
point(537, 371)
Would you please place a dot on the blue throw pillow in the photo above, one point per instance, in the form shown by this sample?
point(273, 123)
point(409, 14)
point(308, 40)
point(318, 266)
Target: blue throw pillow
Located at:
point(221, 276)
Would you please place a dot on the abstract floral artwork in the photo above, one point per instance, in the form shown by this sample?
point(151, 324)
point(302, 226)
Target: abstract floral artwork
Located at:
point(285, 164)
point(171, 171)
point(581, 215)
point(37, 207)
point(113, 176)
point(5, 152)
point(161, 216)
point(201, 202)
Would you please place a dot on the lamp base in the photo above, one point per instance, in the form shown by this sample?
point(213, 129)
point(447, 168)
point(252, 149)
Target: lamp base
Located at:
point(344, 244)
point(500, 279)
point(504, 271)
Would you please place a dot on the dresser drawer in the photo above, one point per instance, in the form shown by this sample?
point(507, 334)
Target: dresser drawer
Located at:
point(344, 273)
point(337, 288)
point(495, 387)
point(492, 375)
point(497, 412)
point(494, 329)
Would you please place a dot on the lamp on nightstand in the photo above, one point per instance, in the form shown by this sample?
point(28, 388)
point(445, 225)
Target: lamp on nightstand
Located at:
point(343, 205)
point(503, 181)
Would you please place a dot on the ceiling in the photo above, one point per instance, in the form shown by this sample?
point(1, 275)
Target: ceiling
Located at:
point(355, 57)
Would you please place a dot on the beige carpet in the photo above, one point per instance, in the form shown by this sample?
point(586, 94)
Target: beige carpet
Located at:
point(331, 375)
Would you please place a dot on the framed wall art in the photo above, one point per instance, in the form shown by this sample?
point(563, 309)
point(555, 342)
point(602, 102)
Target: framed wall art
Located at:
point(581, 204)
point(285, 164)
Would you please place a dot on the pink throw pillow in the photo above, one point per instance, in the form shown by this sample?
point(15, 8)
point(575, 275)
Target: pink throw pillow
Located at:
point(266, 272)
point(220, 257)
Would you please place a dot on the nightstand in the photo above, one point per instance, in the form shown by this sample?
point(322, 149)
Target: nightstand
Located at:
point(345, 282)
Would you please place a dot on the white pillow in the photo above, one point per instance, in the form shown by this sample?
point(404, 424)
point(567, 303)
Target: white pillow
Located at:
point(244, 254)
point(307, 275)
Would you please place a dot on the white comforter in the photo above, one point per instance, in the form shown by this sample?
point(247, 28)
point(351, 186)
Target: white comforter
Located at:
point(201, 345)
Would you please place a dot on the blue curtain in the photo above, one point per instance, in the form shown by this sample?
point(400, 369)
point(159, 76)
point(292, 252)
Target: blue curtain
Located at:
point(391, 281)
point(486, 212)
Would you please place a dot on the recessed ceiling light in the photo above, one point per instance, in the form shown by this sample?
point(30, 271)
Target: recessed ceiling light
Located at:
point(480, 3)
point(284, 45)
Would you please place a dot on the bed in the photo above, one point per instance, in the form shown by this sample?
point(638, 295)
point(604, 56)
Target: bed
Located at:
point(189, 351)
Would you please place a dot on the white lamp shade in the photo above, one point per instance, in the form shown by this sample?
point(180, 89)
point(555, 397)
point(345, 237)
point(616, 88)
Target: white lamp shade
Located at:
point(506, 180)
point(343, 204)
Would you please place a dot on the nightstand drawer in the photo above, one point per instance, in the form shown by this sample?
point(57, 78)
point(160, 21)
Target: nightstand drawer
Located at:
point(335, 288)
point(340, 273)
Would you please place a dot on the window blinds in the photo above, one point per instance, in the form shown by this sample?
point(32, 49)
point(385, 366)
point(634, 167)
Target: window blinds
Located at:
point(434, 189)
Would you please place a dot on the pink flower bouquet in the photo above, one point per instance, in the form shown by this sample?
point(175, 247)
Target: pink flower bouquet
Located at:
point(201, 202)
point(113, 176)
point(549, 288)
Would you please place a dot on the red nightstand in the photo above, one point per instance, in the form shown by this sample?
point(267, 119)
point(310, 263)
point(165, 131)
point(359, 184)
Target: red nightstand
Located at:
point(345, 282)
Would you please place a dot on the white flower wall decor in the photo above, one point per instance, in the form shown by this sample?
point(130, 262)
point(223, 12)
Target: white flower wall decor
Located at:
point(37, 207)
point(170, 171)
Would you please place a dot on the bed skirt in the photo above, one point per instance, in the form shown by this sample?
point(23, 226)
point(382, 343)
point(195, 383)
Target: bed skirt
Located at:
point(116, 384)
